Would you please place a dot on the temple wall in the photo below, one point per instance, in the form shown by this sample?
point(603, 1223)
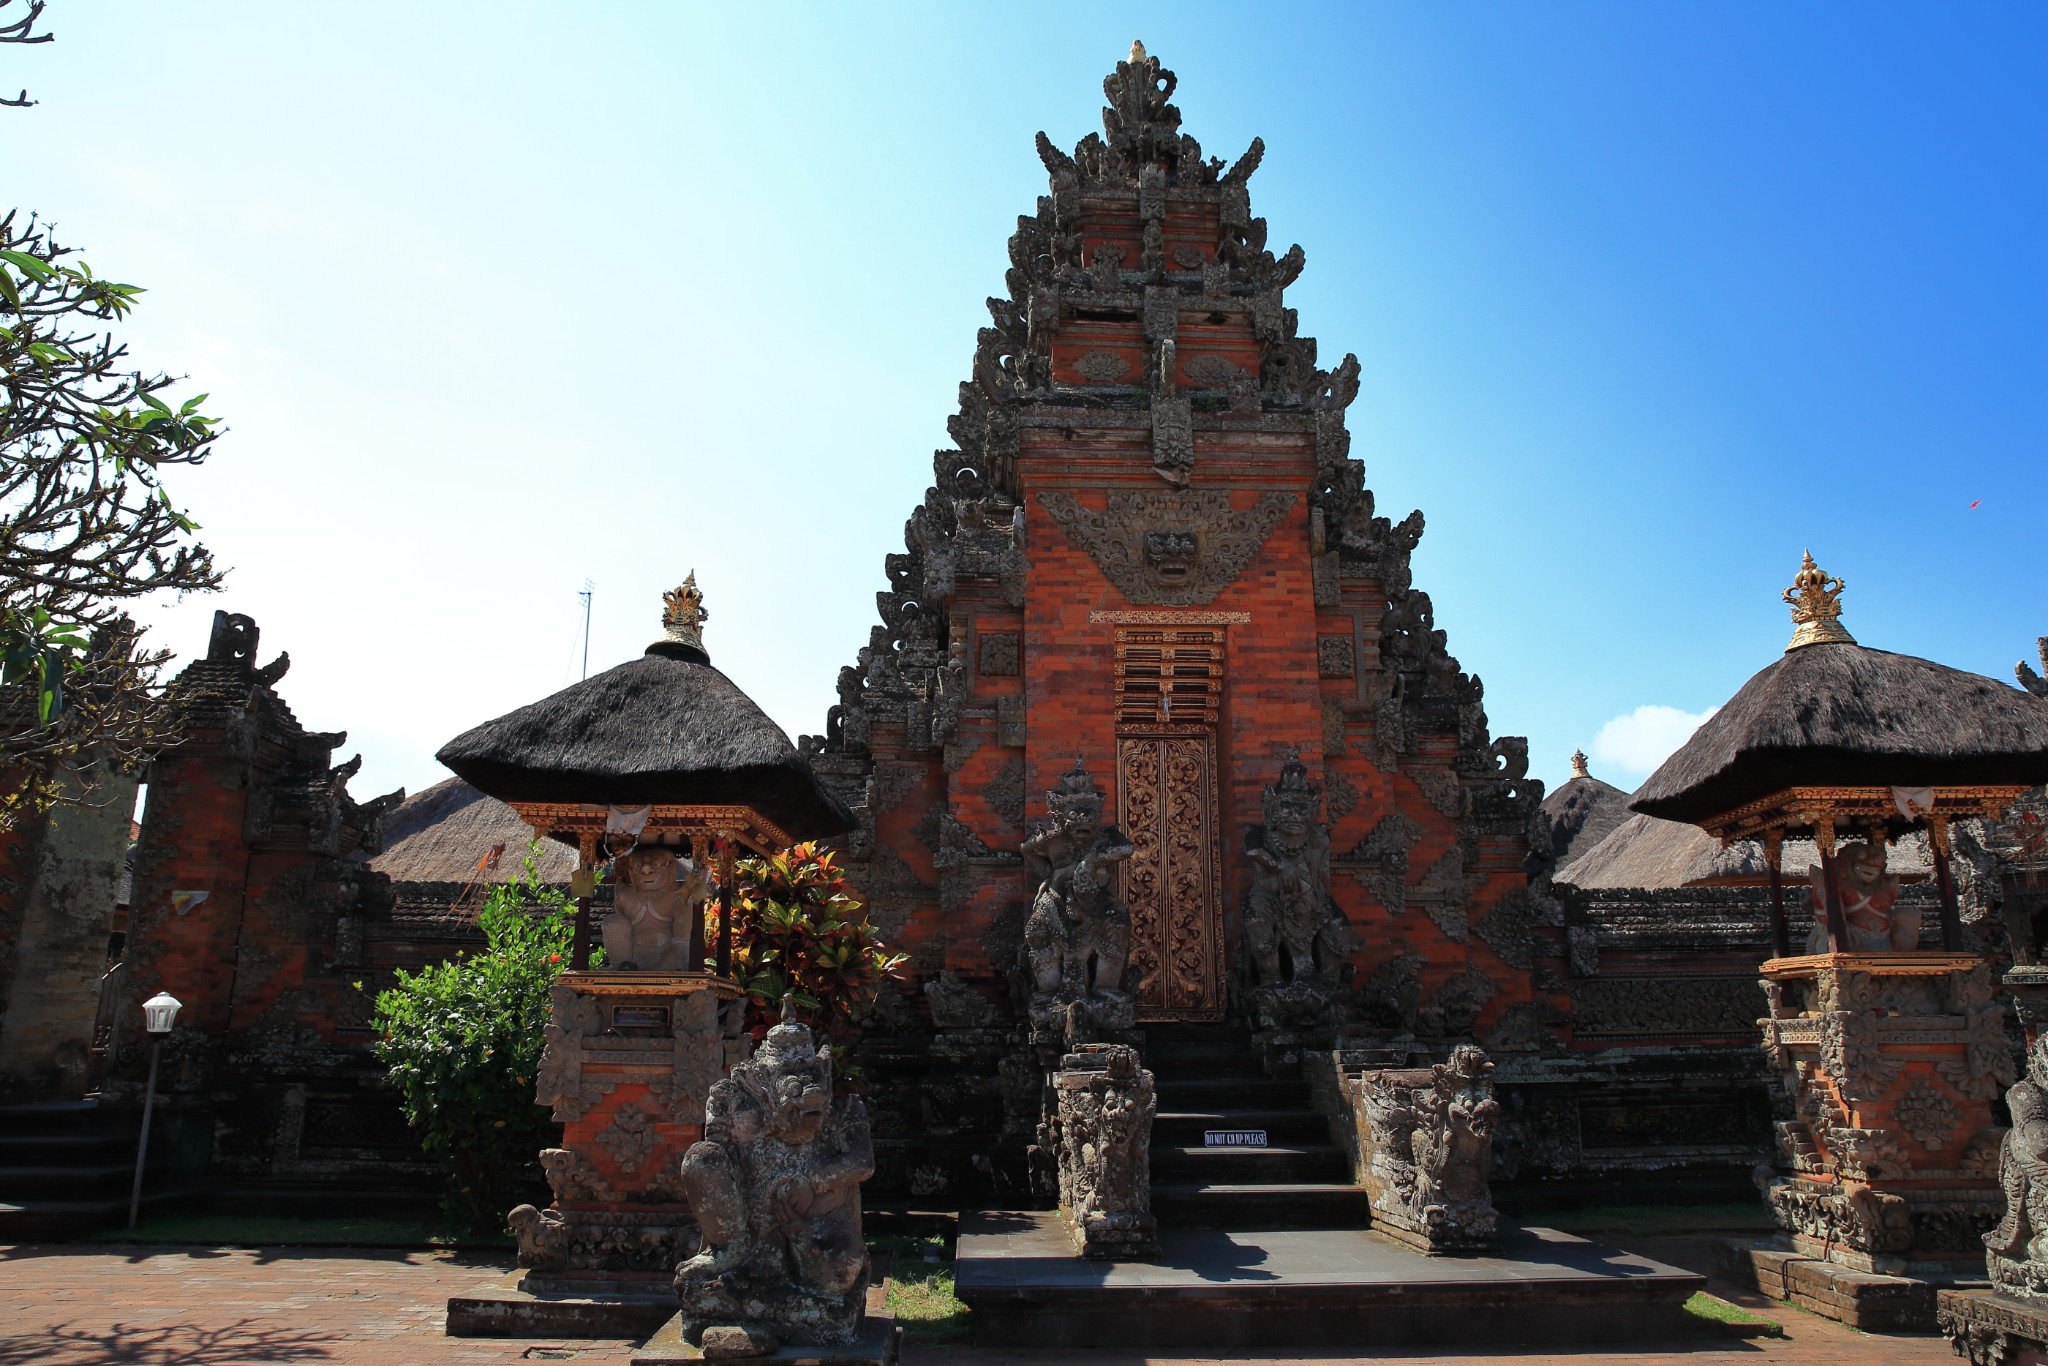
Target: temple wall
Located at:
point(59, 882)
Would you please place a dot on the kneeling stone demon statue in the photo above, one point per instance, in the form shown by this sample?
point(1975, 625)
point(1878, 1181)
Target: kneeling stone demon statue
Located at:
point(775, 1188)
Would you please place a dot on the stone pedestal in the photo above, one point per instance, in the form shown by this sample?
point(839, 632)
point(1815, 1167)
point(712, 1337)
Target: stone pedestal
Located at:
point(1989, 1329)
point(1104, 1142)
point(1425, 1136)
point(2028, 984)
point(1893, 1061)
point(630, 1060)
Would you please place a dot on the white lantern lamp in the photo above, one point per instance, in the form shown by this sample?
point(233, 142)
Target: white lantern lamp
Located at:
point(160, 1012)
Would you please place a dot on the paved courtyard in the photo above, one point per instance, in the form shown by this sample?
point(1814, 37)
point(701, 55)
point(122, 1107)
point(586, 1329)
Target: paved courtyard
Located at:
point(111, 1306)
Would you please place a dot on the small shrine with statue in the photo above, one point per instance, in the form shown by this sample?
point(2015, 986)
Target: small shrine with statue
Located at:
point(1892, 1049)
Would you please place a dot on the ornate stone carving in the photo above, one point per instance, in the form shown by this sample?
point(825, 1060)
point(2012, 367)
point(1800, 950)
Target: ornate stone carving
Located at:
point(1225, 539)
point(1650, 1006)
point(1210, 372)
point(1440, 788)
point(1334, 656)
point(1001, 654)
point(1295, 936)
point(649, 927)
point(1004, 792)
point(775, 1187)
point(2018, 1247)
point(1103, 1136)
point(1927, 1115)
point(630, 1137)
point(559, 1079)
point(572, 1177)
point(1340, 795)
point(1078, 936)
point(1380, 860)
point(1428, 1151)
point(1102, 367)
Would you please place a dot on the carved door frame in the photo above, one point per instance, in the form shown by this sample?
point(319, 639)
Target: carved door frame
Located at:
point(1169, 691)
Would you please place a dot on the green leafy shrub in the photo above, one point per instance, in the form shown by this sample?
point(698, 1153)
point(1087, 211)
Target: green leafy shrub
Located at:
point(462, 1041)
point(796, 929)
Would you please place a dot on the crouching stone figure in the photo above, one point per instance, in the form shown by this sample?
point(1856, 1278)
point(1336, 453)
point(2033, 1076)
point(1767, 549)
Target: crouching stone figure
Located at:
point(775, 1188)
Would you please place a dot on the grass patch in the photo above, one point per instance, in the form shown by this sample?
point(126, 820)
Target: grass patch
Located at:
point(1649, 1221)
point(1712, 1310)
point(247, 1230)
point(921, 1289)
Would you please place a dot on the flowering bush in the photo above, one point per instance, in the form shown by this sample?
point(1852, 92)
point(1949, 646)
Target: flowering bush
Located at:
point(462, 1040)
point(797, 930)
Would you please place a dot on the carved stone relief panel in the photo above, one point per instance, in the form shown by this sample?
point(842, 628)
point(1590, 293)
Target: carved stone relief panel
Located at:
point(1169, 548)
point(1001, 654)
point(1334, 656)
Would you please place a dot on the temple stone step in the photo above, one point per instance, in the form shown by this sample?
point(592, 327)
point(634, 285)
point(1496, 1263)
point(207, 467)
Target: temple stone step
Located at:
point(1229, 1205)
point(1229, 1035)
point(1186, 1128)
point(1196, 1060)
point(1231, 1093)
point(65, 1150)
point(23, 1184)
point(1246, 1166)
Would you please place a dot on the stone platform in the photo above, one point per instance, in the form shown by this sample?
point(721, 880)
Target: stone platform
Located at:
point(1867, 1300)
point(1210, 1288)
point(505, 1307)
point(1990, 1329)
point(880, 1343)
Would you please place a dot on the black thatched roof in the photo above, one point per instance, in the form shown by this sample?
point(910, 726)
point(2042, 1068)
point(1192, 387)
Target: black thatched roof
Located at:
point(1582, 813)
point(665, 728)
point(1838, 714)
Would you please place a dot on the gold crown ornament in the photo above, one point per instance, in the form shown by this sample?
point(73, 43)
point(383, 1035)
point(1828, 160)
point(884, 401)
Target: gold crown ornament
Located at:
point(682, 612)
point(1816, 608)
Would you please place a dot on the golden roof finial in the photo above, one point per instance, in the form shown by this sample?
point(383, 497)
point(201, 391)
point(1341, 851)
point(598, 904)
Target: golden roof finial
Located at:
point(683, 612)
point(1579, 764)
point(1816, 607)
point(1137, 52)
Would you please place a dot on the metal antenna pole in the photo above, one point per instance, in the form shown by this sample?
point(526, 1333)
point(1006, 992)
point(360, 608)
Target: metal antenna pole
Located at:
point(589, 590)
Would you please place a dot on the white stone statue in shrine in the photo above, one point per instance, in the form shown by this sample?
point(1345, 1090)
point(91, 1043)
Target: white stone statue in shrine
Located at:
point(649, 927)
point(1870, 911)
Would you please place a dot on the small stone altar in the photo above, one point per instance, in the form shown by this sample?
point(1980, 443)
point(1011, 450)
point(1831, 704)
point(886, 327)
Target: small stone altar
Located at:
point(1102, 1134)
point(1893, 1061)
point(630, 1061)
point(1427, 1140)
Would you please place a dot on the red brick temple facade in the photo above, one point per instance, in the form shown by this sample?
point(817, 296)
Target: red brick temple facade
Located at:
point(1151, 550)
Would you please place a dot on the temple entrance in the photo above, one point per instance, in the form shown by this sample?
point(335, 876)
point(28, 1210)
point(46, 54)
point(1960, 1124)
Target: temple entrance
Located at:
point(1168, 686)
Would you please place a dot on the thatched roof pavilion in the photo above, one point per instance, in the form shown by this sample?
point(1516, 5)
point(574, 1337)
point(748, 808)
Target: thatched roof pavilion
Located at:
point(666, 729)
point(1836, 736)
point(1583, 812)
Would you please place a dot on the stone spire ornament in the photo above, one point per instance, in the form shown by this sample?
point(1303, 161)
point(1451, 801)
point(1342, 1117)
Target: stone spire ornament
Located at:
point(1816, 607)
point(683, 613)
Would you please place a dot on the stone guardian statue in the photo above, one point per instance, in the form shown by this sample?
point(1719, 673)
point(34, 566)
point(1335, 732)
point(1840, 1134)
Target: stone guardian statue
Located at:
point(775, 1189)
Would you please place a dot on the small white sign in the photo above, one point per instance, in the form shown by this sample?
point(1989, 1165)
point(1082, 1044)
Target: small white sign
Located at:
point(1234, 1138)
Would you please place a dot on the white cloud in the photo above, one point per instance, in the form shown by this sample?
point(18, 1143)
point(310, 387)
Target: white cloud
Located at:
point(1633, 744)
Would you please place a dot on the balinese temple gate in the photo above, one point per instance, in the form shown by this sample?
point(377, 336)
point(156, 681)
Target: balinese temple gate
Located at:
point(1149, 569)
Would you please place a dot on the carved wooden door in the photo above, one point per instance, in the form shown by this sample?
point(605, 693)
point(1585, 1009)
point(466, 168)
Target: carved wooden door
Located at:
point(1166, 799)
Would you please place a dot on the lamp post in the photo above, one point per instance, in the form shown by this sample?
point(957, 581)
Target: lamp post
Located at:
point(158, 1014)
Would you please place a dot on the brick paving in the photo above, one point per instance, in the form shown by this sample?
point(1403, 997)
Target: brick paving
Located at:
point(112, 1306)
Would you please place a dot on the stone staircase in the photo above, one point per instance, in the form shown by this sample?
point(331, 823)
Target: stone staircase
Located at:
point(66, 1167)
point(1209, 1077)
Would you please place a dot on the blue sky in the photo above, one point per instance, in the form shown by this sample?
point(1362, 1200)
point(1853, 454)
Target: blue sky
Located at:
point(497, 298)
